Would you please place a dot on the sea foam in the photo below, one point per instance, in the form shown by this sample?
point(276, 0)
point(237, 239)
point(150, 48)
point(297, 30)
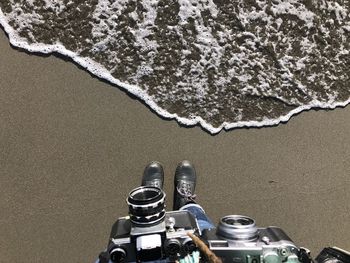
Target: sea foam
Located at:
point(221, 64)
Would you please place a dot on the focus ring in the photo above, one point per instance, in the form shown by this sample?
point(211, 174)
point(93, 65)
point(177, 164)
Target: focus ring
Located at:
point(146, 205)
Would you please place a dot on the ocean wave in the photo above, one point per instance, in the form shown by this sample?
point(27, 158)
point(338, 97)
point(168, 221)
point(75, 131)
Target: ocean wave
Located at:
point(221, 64)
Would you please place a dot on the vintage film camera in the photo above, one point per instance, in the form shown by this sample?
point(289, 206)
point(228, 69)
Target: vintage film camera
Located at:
point(237, 239)
point(150, 233)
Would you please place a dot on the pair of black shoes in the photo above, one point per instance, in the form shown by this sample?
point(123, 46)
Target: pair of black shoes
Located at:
point(184, 181)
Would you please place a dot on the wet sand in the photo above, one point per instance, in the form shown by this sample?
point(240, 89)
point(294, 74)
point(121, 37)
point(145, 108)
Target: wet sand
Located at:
point(73, 146)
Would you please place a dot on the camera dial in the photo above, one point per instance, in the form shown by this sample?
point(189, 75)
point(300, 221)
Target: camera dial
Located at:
point(117, 254)
point(172, 247)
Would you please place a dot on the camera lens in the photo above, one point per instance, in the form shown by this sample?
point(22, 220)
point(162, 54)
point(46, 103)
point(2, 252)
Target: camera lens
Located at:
point(237, 227)
point(333, 255)
point(238, 221)
point(146, 205)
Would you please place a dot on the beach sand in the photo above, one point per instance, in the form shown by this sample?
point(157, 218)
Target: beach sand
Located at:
point(72, 147)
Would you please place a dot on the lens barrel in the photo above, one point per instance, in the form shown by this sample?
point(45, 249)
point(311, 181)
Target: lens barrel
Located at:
point(333, 255)
point(237, 227)
point(146, 206)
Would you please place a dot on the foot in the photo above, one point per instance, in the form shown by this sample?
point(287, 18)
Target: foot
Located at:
point(153, 175)
point(185, 184)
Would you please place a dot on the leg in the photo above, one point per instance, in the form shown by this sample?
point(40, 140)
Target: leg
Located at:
point(203, 220)
point(184, 197)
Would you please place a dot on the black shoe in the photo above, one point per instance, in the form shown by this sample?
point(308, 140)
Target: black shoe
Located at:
point(185, 184)
point(153, 175)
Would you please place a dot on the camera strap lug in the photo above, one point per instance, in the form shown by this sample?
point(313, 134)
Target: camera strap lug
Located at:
point(304, 255)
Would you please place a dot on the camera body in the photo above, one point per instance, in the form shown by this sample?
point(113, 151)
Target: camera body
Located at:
point(167, 239)
point(237, 239)
point(149, 233)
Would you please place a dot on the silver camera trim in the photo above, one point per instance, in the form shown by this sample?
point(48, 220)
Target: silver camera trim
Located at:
point(237, 232)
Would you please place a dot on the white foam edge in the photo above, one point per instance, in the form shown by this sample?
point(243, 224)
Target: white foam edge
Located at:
point(101, 72)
